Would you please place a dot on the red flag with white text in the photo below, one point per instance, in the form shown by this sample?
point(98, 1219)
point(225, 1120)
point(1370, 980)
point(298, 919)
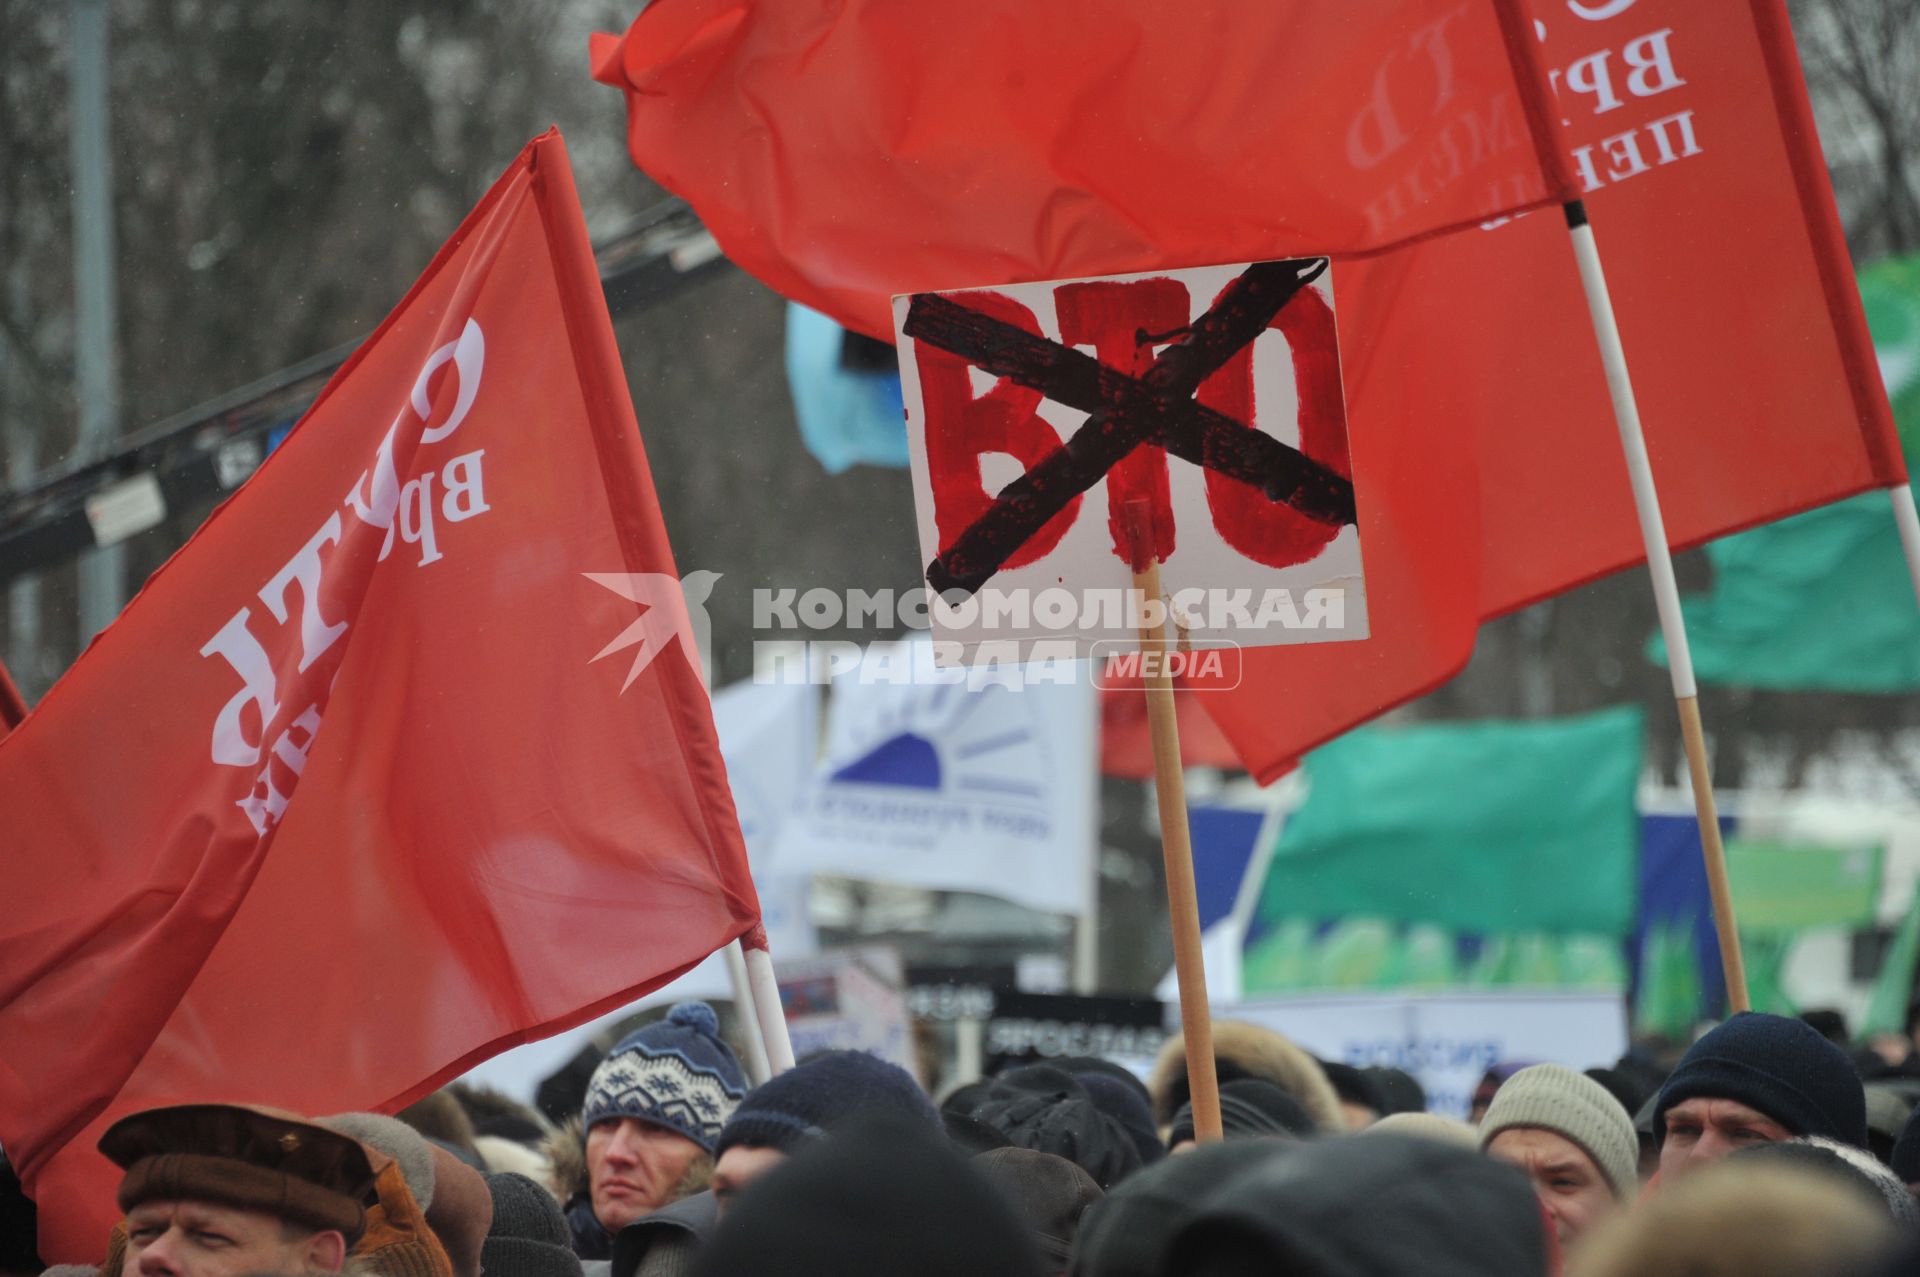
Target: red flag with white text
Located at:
point(845, 150)
point(346, 800)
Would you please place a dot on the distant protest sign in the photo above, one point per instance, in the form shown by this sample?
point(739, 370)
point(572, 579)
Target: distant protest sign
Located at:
point(848, 1000)
point(1037, 413)
point(1034, 1028)
point(1447, 1040)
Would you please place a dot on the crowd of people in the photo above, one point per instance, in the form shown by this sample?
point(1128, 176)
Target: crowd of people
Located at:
point(1764, 1150)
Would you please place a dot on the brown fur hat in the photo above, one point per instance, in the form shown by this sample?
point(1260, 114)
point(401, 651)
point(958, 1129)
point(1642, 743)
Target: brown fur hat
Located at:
point(1247, 1050)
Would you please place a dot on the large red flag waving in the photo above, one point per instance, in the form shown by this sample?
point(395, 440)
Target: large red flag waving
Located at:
point(843, 150)
point(343, 802)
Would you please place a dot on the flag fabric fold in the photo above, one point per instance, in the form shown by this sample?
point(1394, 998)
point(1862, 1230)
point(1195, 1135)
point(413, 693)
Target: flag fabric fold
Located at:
point(846, 151)
point(1824, 600)
point(346, 800)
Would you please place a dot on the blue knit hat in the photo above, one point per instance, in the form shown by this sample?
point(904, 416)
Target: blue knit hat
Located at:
point(822, 1093)
point(1777, 1066)
point(675, 1073)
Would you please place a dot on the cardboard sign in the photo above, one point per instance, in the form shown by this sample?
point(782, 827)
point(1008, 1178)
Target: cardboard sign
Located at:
point(1038, 414)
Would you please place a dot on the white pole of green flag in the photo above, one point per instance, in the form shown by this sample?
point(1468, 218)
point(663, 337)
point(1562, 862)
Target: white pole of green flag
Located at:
point(1666, 594)
point(759, 1069)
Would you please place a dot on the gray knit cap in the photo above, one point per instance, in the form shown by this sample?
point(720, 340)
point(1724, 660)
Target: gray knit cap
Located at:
point(1551, 1097)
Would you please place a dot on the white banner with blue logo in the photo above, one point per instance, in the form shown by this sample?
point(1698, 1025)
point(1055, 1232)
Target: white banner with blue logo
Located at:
point(945, 780)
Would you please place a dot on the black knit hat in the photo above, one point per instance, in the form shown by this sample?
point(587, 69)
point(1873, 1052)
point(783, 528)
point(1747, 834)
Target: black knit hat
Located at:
point(1353, 1086)
point(825, 1092)
point(1128, 1105)
point(880, 1199)
point(1050, 1193)
point(1040, 1107)
point(1249, 1107)
point(1776, 1066)
point(1400, 1091)
point(1329, 1208)
point(528, 1236)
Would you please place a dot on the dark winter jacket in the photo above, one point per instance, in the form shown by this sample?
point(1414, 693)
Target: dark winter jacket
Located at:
point(663, 1244)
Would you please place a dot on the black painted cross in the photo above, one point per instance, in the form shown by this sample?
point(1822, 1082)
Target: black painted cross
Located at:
point(1155, 408)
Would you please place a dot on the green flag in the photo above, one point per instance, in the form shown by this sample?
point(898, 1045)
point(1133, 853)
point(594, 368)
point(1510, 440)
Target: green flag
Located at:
point(1668, 1000)
point(1823, 600)
point(1893, 987)
point(1465, 855)
point(1784, 888)
point(1485, 828)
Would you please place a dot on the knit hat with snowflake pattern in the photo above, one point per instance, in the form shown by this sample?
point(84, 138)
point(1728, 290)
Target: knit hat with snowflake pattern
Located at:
point(675, 1073)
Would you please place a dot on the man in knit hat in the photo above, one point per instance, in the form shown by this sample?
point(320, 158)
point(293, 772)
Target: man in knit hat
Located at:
point(652, 1118)
point(1756, 1079)
point(1572, 1139)
point(219, 1190)
point(795, 1109)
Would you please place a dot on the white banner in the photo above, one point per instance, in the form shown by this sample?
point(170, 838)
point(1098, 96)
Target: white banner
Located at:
point(988, 788)
point(1448, 1040)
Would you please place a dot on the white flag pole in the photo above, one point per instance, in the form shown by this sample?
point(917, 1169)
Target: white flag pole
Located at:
point(1908, 521)
point(766, 1001)
point(1666, 594)
point(758, 1068)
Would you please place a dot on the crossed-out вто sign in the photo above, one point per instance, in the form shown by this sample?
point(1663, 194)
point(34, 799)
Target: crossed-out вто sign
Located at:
point(1037, 414)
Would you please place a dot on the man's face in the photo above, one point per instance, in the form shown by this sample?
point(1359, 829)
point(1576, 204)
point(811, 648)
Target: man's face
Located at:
point(201, 1239)
point(1707, 1128)
point(1570, 1186)
point(738, 1167)
point(632, 1167)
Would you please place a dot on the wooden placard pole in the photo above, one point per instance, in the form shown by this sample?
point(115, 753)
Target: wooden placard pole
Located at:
point(1176, 840)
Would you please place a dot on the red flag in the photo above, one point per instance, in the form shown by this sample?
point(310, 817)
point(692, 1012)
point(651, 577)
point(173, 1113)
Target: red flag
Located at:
point(1126, 745)
point(1750, 359)
point(1484, 451)
point(344, 802)
point(844, 152)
